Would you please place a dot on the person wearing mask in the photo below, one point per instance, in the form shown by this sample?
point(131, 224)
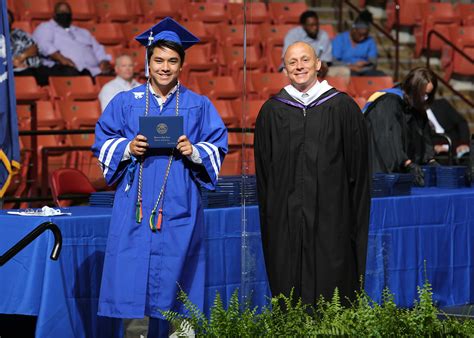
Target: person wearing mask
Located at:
point(69, 50)
point(313, 183)
point(356, 49)
point(399, 131)
point(123, 81)
point(26, 61)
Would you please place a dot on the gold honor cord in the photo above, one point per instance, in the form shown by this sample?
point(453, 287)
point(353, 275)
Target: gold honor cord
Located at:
point(154, 222)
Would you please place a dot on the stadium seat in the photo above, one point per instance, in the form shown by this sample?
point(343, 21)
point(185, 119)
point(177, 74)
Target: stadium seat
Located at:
point(24, 26)
point(226, 113)
point(286, 13)
point(338, 82)
point(453, 62)
point(268, 84)
point(257, 13)
point(83, 10)
point(79, 114)
point(67, 181)
point(205, 12)
point(250, 110)
point(361, 101)
point(114, 10)
point(197, 63)
point(466, 13)
point(154, 10)
point(232, 165)
point(273, 36)
point(46, 116)
point(248, 161)
point(131, 30)
point(27, 89)
point(101, 80)
point(434, 16)
point(218, 87)
point(80, 88)
point(108, 33)
point(233, 35)
point(364, 86)
point(275, 59)
point(233, 61)
point(409, 13)
point(34, 9)
point(206, 39)
point(329, 29)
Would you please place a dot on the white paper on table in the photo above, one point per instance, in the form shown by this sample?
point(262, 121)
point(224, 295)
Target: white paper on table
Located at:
point(44, 211)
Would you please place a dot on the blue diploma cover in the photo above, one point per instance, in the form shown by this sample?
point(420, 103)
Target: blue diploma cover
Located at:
point(161, 131)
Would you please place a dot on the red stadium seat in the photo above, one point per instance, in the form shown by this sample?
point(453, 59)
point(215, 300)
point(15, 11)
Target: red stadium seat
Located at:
point(110, 34)
point(154, 10)
point(361, 101)
point(197, 63)
point(34, 9)
point(364, 86)
point(131, 30)
point(46, 115)
point(329, 29)
point(338, 82)
point(26, 88)
point(409, 13)
point(275, 59)
point(434, 16)
point(82, 10)
point(250, 110)
point(233, 35)
point(226, 113)
point(257, 13)
point(24, 26)
point(218, 87)
point(466, 13)
point(101, 80)
point(273, 36)
point(206, 12)
point(234, 61)
point(232, 165)
point(282, 13)
point(67, 181)
point(114, 10)
point(79, 114)
point(248, 161)
point(268, 84)
point(206, 38)
point(80, 88)
point(452, 61)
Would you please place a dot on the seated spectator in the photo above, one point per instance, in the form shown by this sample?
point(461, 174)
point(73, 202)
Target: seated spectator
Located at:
point(69, 50)
point(26, 61)
point(123, 82)
point(399, 131)
point(310, 33)
point(445, 119)
point(356, 49)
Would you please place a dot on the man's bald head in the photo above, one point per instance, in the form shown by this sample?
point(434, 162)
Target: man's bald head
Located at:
point(301, 65)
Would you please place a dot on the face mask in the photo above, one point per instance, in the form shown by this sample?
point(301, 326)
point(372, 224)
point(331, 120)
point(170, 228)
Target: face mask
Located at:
point(63, 19)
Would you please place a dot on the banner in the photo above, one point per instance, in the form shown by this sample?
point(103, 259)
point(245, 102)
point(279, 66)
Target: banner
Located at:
point(9, 143)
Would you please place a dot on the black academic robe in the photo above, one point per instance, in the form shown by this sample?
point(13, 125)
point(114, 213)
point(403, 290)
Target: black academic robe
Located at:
point(313, 189)
point(397, 133)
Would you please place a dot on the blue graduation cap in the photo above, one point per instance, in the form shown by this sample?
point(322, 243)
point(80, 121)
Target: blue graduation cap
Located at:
point(170, 30)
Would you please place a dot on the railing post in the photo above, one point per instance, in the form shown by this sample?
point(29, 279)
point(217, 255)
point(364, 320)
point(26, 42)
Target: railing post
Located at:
point(397, 40)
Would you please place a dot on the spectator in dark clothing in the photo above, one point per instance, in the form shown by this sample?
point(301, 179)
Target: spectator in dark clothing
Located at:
point(445, 119)
point(26, 61)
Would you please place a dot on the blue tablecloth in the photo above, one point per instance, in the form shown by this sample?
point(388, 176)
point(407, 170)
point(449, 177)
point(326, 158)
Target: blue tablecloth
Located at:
point(435, 226)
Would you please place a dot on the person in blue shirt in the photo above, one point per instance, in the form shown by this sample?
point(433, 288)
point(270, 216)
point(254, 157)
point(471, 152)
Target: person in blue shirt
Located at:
point(155, 244)
point(356, 49)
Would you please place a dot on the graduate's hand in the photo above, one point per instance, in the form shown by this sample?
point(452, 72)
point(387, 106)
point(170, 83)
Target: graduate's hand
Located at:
point(138, 146)
point(184, 146)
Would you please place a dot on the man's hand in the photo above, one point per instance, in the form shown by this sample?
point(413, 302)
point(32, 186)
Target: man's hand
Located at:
point(105, 67)
point(184, 146)
point(66, 62)
point(138, 146)
point(19, 62)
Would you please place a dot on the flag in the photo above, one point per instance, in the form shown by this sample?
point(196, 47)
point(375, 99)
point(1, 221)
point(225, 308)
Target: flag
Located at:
point(9, 144)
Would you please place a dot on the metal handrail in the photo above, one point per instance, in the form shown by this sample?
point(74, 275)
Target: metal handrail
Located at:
point(457, 49)
point(58, 242)
point(396, 40)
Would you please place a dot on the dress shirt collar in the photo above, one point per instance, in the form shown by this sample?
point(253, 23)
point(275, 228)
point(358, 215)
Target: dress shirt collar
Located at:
point(309, 96)
point(158, 98)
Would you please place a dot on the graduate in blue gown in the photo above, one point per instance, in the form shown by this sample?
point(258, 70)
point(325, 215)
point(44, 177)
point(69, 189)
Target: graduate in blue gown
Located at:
point(155, 243)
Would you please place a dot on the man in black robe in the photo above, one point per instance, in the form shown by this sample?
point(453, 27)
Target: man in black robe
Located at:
point(313, 184)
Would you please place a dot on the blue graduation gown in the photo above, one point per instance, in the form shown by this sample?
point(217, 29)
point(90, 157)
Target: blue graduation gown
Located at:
point(142, 269)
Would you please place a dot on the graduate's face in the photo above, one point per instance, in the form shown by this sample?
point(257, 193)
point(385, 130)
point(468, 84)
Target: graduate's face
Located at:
point(165, 67)
point(301, 65)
